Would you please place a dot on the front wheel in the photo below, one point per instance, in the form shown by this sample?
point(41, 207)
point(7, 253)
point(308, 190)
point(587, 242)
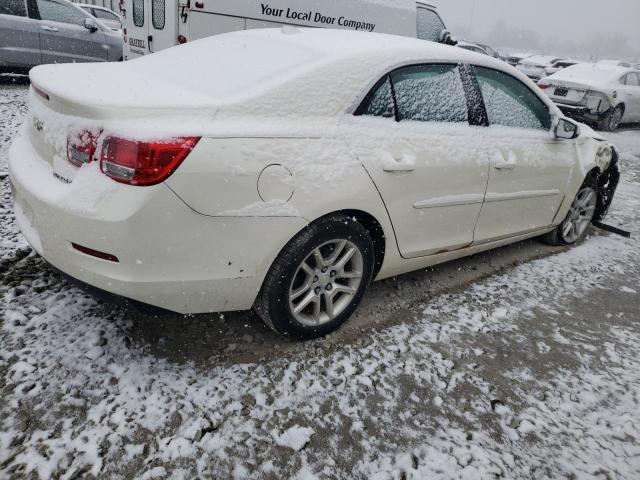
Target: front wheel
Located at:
point(576, 224)
point(318, 280)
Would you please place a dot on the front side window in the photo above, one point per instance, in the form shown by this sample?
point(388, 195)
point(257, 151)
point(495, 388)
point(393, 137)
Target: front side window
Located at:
point(158, 14)
point(13, 7)
point(430, 93)
point(60, 12)
point(105, 15)
point(429, 25)
point(138, 13)
point(379, 102)
point(511, 103)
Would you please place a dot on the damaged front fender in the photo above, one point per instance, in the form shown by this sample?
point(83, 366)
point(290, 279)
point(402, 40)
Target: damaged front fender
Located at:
point(607, 184)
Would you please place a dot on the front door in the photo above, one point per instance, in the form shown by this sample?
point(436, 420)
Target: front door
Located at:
point(530, 168)
point(63, 36)
point(421, 153)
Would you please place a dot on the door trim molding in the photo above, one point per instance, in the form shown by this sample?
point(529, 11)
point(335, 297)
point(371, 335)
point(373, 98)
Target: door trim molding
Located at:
point(450, 201)
point(501, 197)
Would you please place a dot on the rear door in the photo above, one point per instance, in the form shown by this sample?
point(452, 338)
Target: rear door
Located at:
point(423, 157)
point(530, 168)
point(163, 28)
point(19, 40)
point(63, 36)
point(137, 28)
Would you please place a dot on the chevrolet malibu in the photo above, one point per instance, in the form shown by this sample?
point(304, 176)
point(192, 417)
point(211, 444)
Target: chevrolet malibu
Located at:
point(284, 170)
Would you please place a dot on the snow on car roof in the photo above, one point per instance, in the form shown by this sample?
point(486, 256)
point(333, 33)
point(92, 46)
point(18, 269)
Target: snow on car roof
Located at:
point(542, 59)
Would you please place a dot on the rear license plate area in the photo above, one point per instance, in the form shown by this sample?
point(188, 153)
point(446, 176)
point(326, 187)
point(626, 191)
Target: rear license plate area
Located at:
point(561, 92)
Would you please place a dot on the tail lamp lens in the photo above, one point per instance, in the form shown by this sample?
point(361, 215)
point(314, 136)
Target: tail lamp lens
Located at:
point(143, 163)
point(81, 147)
point(543, 85)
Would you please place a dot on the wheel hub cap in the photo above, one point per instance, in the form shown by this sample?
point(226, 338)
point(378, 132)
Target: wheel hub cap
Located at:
point(326, 282)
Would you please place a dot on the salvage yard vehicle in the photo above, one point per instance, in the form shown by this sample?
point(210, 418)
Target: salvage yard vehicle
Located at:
point(36, 32)
point(560, 65)
point(308, 164)
point(535, 67)
point(606, 96)
point(153, 25)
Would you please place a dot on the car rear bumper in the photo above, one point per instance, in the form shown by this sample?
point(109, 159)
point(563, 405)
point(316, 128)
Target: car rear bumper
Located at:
point(579, 112)
point(168, 255)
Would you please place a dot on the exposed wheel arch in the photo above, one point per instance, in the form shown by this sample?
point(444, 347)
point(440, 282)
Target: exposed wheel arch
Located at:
point(375, 230)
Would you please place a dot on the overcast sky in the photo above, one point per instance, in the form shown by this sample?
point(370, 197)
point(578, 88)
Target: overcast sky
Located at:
point(571, 21)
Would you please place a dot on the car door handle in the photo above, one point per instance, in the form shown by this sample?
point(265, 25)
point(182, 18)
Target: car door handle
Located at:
point(48, 28)
point(406, 163)
point(505, 166)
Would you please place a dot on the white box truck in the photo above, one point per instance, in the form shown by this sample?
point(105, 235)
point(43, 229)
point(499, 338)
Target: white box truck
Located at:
point(153, 25)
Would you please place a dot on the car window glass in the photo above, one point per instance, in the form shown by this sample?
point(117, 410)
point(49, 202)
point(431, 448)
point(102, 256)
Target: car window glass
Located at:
point(59, 12)
point(158, 14)
point(138, 13)
point(430, 93)
point(13, 7)
point(511, 103)
point(379, 102)
point(106, 15)
point(633, 79)
point(429, 25)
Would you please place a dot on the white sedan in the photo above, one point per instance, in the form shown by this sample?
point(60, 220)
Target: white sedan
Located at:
point(607, 96)
point(285, 170)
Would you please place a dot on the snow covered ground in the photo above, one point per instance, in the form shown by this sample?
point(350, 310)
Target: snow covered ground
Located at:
point(528, 369)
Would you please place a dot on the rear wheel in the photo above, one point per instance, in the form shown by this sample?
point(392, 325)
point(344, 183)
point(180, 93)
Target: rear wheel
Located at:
point(576, 224)
point(318, 280)
point(612, 119)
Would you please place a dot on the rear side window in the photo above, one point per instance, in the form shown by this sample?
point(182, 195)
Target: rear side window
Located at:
point(511, 103)
point(138, 13)
point(633, 79)
point(379, 102)
point(13, 7)
point(430, 93)
point(429, 25)
point(60, 12)
point(158, 14)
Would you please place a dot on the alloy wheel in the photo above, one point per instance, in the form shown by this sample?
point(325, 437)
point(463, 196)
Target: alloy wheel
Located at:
point(580, 215)
point(326, 282)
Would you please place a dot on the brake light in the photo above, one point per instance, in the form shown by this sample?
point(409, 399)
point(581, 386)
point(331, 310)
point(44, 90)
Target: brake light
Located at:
point(81, 147)
point(143, 163)
point(543, 85)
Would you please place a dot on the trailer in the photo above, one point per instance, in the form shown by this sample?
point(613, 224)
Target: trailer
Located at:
point(154, 25)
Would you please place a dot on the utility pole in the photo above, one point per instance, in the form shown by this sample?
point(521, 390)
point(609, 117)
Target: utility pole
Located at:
point(473, 12)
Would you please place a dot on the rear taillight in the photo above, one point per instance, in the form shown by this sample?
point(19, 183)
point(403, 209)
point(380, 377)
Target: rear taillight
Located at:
point(143, 163)
point(40, 92)
point(543, 85)
point(81, 147)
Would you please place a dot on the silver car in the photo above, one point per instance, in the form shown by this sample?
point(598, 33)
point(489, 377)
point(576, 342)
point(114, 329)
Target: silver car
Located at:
point(35, 32)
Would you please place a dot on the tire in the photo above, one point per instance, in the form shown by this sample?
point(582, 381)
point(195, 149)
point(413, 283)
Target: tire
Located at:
point(332, 291)
point(612, 119)
point(575, 227)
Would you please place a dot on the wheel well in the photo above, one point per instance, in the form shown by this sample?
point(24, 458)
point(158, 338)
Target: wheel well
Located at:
point(369, 222)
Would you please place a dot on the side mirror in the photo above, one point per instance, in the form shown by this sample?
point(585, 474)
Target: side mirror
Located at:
point(446, 38)
point(90, 24)
point(566, 130)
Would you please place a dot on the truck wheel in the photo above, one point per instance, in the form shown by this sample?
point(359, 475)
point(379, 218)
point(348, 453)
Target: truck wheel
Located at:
point(612, 119)
point(318, 279)
point(576, 224)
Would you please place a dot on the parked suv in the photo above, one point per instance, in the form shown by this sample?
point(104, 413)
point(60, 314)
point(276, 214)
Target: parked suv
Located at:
point(35, 32)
